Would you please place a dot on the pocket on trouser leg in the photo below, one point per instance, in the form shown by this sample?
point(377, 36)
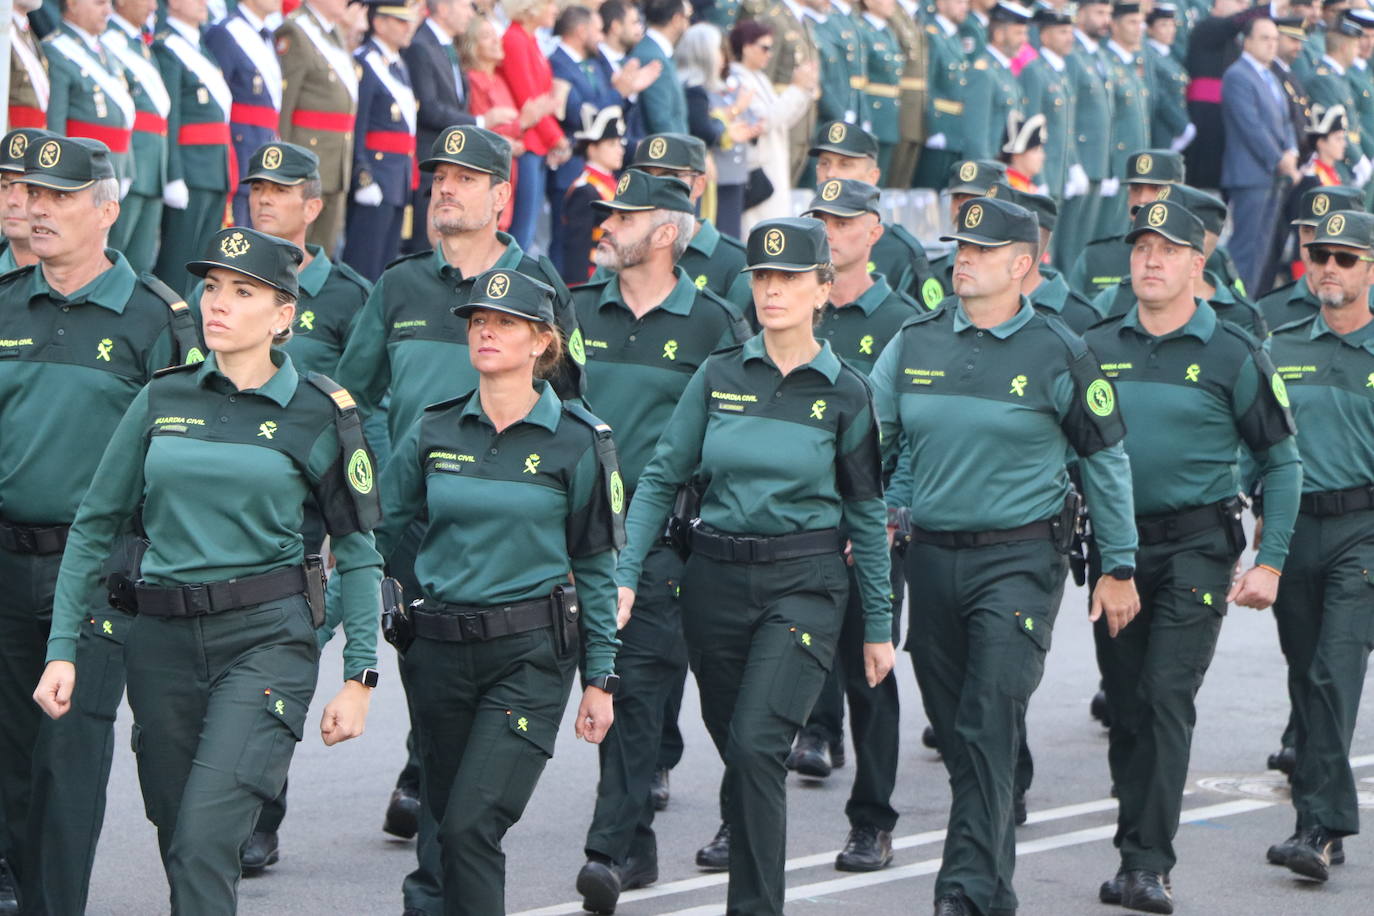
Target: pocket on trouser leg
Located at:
point(801, 671)
point(100, 657)
point(1024, 664)
point(1201, 588)
point(267, 749)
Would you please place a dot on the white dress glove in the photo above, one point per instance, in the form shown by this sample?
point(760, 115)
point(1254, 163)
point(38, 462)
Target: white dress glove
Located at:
point(1110, 186)
point(937, 141)
point(124, 185)
point(1182, 140)
point(1077, 184)
point(370, 196)
point(176, 195)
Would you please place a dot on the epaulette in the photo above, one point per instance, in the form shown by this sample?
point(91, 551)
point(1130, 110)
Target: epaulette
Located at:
point(1107, 240)
point(21, 271)
point(902, 234)
point(1295, 324)
point(183, 367)
point(932, 29)
point(1238, 331)
point(353, 276)
point(739, 325)
point(1072, 341)
point(594, 283)
point(609, 462)
point(408, 257)
point(440, 406)
point(357, 457)
point(184, 330)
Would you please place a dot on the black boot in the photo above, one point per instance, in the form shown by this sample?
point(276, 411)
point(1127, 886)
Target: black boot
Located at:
point(1100, 709)
point(403, 813)
point(1018, 808)
point(1310, 856)
point(658, 789)
point(1283, 760)
point(638, 871)
point(1145, 891)
point(599, 884)
point(837, 758)
point(928, 739)
point(715, 855)
point(866, 849)
point(1111, 891)
point(9, 891)
point(810, 757)
point(259, 852)
point(952, 905)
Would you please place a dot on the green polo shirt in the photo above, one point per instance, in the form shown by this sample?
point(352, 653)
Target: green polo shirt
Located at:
point(221, 477)
point(7, 261)
point(407, 340)
point(1193, 397)
point(1226, 302)
point(986, 417)
point(1293, 302)
point(777, 455)
point(1054, 297)
point(1330, 380)
point(88, 353)
point(511, 513)
point(1104, 264)
point(637, 368)
point(858, 331)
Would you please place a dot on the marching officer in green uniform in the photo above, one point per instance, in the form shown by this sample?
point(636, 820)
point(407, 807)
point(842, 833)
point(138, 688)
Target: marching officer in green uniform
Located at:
point(1048, 92)
point(869, 313)
point(1228, 304)
point(1090, 85)
point(85, 330)
point(967, 179)
point(993, 92)
point(990, 525)
point(198, 178)
point(914, 97)
point(222, 657)
point(1298, 300)
point(947, 84)
point(1326, 362)
point(1130, 107)
point(496, 621)
point(885, 63)
point(1106, 262)
point(1045, 287)
point(844, 151)
point(646, 330)
point(1193, 390)
point(764, 590)
point(14, 245)
point(1168, 79)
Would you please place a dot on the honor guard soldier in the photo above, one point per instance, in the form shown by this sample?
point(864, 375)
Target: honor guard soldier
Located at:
point(496, 620)
point(1193, 390)
point(14, 199)
point(222, 657)
point(1130, 126)
point(1045, 287)
point(868, 314)
point(29, 84)
point(1292, 36)
point(600, 145)
point(993, 91)
point(1223, 299)
point(318, 102)
point(1106, 262)
point(1045, 82)
point(973, 31)
point(1169, 124)
point(967, 179)
point(1023, 150)
point(1298, 300)
point(646, 329)
point(764, 591)
point(86, 331)
point(201, 156)
point(243, 46)
point(990, 525)
point(1330, 85)
point(835, 31)
point(1092, 131)
point(885, 64)
point(844, 151)
point(1326, 362)
point(713, 260)
point(906, 22)
point(139, 228)
point(794, 49)
point(89, 95)
point(1361, 80)
point(384, 165)
point(947, 83)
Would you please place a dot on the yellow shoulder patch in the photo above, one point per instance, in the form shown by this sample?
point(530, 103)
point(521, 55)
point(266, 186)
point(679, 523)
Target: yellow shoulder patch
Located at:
point(980, 64)
point(343, 399)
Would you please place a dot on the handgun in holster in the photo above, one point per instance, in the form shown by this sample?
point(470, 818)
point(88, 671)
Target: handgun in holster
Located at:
point(396, 626)
point(314, 588)
point(1068, 535)
point(123, 595)
point(686, 509)
point(566, 617)
point(899, 520)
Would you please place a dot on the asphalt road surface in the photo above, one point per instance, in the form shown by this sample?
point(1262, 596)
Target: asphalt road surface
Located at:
point(336, 860)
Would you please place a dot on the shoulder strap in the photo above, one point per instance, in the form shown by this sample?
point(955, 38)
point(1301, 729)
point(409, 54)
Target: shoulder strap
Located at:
point(357, 457)
point(183, 367)
point(610, 466)
point(739, 328)
point(184, 330)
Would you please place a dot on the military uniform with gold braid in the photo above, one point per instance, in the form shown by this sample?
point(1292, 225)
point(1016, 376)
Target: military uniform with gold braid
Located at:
point(29, 85)
point(947, 83)
point(791, 46)
point(913, 99)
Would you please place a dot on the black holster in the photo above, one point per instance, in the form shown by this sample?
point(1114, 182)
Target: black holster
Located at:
point(566, 619)
point(1064, 526)
point(396, 626)
point(123, 595)
point(314, 588)
point(1234, 512)
point(686, 509)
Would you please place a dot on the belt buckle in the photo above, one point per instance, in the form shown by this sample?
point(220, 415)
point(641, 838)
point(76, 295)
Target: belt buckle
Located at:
point(472, 627)
point(1338, 502)
point(24, 539)
point(748, 547)
point(196, 599)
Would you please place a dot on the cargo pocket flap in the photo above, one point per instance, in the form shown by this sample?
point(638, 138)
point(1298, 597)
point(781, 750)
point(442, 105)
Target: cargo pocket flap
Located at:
point(814, 644)
point(1036, 626)
point(536, 730)
point(289, 711)
point(110, 625)
point(1199, 579)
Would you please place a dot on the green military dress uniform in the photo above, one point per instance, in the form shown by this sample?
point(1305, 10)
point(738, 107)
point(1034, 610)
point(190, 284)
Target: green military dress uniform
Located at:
point(94, 348)
point(886, 62)
point(26, 107)
point(762, 619)
point(843, 59)
point(1049, 92)
point(1168, 100)
point(1190, 398)
point(1091, 87)
point(914, 98)
point(1330, 85)
point(985, 522)
point(994, 93)
point(1106, 261)
point(947, 84)
point(1362, 90)
point(138, 230)
point(88, 93)
point(200, 101)
point(1130, 128)
point(1323, 604)
point(488, 696)
point(973, 33)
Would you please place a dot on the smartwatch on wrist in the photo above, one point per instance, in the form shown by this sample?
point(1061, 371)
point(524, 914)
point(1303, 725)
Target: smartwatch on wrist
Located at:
point(367, 677)
point(1123, 573)
point(607, 682)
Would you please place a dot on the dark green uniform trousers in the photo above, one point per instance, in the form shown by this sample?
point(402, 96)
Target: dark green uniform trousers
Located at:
point(651, 660)
point(219, 704)
point(760, 639)
point(671, 745)
point(488, 714)
point(875, 714)
point(1152, 672)
point(138, 230)
point(185, 233)
point(1326, 628)
point(978, 629)
point(53, 809)
point(1077, 220)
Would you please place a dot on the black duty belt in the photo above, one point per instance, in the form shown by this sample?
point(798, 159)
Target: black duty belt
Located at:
point(455, 623)
point(1160, 529)
point(734, 548)
point(33, 539)
point(1337, 502)
point(218, 597)
point(1035, 531)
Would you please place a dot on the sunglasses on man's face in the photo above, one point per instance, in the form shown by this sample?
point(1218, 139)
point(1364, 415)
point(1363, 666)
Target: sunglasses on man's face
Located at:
point(1346, 259)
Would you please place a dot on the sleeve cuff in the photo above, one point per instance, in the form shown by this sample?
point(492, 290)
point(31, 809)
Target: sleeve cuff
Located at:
point(878, 627)
point(62, 649)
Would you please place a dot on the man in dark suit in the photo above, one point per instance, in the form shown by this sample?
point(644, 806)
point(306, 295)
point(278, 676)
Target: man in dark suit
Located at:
point(1211, 50)
point(622, 27)
point(1261, 148)
point(663, 106)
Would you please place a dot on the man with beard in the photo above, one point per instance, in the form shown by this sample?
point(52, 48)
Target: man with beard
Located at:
point(646, 329)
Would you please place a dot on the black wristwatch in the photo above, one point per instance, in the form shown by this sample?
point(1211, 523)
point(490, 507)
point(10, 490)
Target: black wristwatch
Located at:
point(607, 682)
point(1123, 573)
point(367, 677)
